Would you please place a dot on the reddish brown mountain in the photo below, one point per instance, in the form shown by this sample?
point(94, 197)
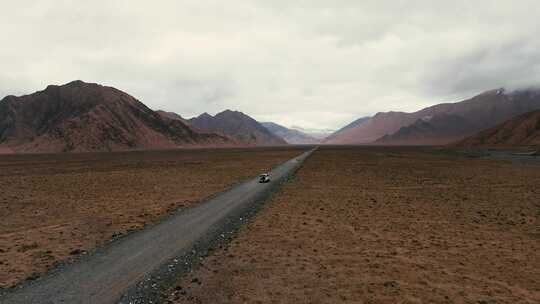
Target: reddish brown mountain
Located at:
point(368, 130)
point(442, 123)
point(172, 115)
point(432, 130)
point(83, 116)
point(523, 130)
point(237, 125)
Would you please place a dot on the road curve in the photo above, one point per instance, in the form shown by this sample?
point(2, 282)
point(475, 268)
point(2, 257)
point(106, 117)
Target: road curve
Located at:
point(108, 274)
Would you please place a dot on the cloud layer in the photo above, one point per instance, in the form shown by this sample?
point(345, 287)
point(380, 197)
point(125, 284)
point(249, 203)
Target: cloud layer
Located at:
point(309, 63)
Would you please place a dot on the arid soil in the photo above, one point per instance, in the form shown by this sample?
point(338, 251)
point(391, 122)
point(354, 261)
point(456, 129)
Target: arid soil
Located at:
point(57, 205)
point(385, 225)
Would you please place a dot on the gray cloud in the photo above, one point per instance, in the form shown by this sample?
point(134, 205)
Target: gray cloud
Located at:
point(311, 63)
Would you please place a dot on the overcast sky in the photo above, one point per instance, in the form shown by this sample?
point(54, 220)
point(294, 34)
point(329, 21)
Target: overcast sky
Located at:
point(309, 63)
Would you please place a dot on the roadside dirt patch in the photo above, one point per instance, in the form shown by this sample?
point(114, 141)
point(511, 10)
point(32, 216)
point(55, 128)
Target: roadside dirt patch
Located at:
point(60, 205)
point(381, 225)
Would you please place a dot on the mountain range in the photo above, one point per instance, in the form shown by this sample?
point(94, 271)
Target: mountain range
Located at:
point(236, 125)
point(291, 136)
point(317, 133)
point(81, 116)
point(439, 124)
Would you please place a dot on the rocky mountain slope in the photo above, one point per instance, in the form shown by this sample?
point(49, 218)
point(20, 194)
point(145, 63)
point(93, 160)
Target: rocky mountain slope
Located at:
point(338, 133)
point(523, 130)
point(81, 116)
point(442, 123)
point(372, 129)
point(172, 115)
point(291, 136)
point(237, 125)
point(437, 129)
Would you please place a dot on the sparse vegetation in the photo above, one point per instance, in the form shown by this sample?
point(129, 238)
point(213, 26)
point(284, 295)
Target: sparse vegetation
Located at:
point(56, 206)
point(385, 225)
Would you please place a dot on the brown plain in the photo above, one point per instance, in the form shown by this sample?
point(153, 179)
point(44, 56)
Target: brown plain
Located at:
point(54, 205)
point(380, 225)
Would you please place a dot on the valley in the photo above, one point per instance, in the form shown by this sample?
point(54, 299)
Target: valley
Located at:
point(262, 152)
point(385, 225)
point(54, 206)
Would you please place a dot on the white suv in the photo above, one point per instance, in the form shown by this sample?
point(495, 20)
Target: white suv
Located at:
point(264, 178)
